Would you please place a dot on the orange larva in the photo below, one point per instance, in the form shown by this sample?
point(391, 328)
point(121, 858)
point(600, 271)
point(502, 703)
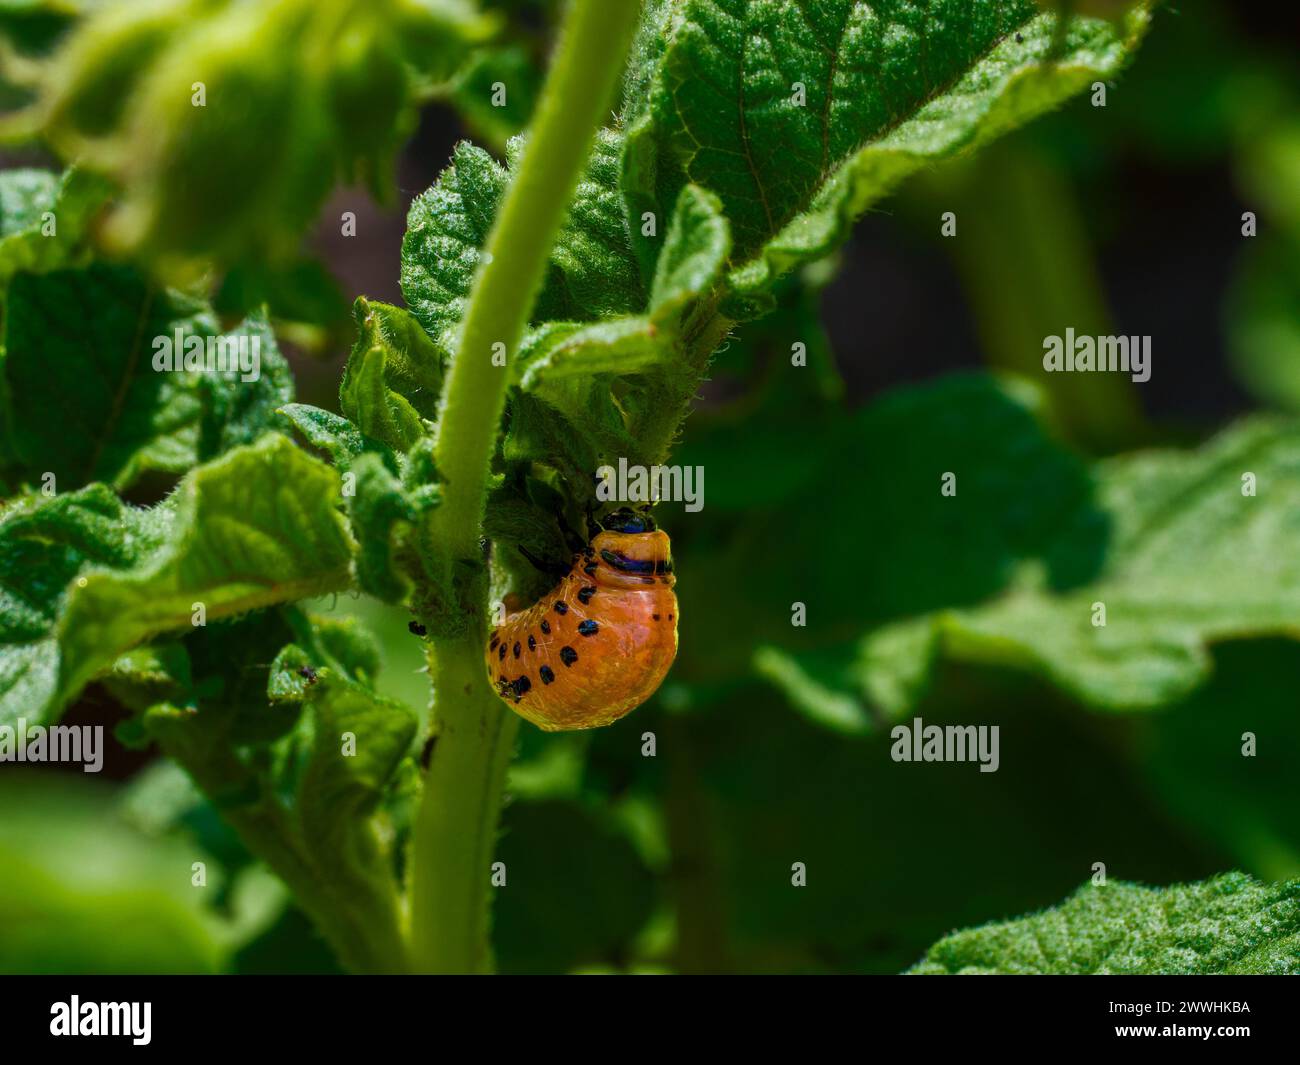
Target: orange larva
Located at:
point(601, 642)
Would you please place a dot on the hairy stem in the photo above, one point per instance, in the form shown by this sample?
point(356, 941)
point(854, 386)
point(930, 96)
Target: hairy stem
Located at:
point(456, 825)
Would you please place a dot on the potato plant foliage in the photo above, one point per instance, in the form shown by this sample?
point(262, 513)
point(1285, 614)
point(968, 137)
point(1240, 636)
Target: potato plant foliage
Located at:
point(172, 541)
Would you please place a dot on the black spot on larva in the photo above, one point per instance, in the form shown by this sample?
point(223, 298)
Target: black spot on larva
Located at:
point(492, 643)
point(561, 607)
point(516, 649)
point(416, 628)
point(532, 642)
point(521, 686)
point(547, 674)
point(546, 626)
point(586, 593)
point(588, 628)
point(501, 652)
point(590, 568)
point(655, 616)
point(568, 655)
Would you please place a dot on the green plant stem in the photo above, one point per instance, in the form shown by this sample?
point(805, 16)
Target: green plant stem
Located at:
point(455, 828)
point(1027, 265)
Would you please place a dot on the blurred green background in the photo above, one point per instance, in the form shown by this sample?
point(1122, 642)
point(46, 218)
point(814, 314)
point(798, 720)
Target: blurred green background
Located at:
point(772, 741)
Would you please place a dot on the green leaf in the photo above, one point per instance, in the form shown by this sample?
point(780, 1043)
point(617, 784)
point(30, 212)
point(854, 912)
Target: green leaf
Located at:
point(346, 774)
point(85, 90)
point(818, 685)
point(227, 696)
point(592, 271)
point(86, 578)
point(292, 676)
point(445, 229)
point(472, 92)
point(1230, 925)
point(559, 350)
point(158, 798)
point(1188, 559)
point(44, 218)
point(237, 411)
point(358, 740)
point(24, 196)
point(332, 436)
point(192, 182)
point(434, 34)
point(230, 677)
point(347, 646)
point(393, 377)
point(522, 513)
point(147, 675)
point(91, 523)
point(374, 407)
point(839, 687)
point(886, 89)
point(340, 644)
point(46, 544)
point(296, 753)
point(1015, 488)
point(315, 105)
point(257, 527)
point(695, 252)
point(415, 367)
point(1006, 570)
point(577, 425)
point(382, 510)
point(573, 426)
point(80, 342)
point(33, 27)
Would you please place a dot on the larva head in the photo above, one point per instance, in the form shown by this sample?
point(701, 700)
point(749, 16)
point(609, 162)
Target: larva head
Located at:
point(631, 552)
point(627, 520)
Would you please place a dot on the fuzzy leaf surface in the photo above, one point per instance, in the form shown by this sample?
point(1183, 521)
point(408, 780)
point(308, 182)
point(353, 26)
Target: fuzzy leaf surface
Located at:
point(1230, 925)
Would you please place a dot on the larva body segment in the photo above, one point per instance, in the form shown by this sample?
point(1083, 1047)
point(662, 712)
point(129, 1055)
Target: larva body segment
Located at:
point(599, 644)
